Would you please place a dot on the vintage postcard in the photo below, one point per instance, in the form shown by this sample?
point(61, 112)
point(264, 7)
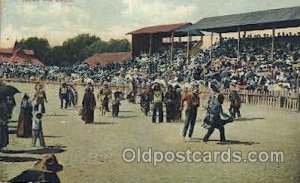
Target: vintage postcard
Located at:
point(150, 91)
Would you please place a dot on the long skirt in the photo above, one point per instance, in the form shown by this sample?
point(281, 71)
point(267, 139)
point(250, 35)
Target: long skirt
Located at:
point(24, 124)
point(88, 116)
point(3, 136)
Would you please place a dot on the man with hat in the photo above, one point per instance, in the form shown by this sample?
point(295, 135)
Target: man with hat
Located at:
point(215, 121)
point(193, 101)
point(40, 98)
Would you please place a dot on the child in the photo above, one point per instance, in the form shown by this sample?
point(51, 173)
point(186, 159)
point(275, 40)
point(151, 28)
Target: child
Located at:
point(37, 130)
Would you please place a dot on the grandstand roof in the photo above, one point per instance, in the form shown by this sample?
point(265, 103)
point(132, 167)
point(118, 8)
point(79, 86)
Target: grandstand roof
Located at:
point(260, 20)
point(108, 58)
point(185, 30)
point(159, 29)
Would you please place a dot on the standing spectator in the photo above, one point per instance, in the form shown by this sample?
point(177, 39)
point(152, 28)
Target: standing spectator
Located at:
point(103, 100)
point(75, 92)
point(177, 101)
point(37, 130)
point(70, 96)
point(40, 98)
point(158, 98)
point(235, 104)
point(105, 94)
point(88, 104)
point(11, 103)
point(63, 91)
point(25, 118)
point(170, 104)
point(145, 100)
point(193, 102)
point(116, 102)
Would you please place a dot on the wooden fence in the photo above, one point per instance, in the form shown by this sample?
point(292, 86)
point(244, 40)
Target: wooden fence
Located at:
point(282, 100)
point(278, 100)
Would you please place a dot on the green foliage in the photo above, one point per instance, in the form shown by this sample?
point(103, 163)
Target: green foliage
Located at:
point(40, 46)
point(74, 50)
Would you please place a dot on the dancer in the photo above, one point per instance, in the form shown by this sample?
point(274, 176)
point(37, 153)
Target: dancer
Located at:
point(193, 102)
point(215, 121)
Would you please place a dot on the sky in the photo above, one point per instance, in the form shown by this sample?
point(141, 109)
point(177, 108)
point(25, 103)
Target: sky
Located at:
point(58, 20)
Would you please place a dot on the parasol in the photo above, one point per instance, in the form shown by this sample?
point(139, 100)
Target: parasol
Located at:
point(8, 90)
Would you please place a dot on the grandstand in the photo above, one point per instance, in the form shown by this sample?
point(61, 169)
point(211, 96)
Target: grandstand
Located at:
point(155, 38)
point(261, 20)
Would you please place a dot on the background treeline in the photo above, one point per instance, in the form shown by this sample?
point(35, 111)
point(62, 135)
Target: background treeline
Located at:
point(74, 50)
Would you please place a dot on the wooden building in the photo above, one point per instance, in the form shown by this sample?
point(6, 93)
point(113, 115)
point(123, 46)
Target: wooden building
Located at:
point(18, 55)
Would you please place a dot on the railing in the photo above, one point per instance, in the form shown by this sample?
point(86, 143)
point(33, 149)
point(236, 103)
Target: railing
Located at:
point(278, 100)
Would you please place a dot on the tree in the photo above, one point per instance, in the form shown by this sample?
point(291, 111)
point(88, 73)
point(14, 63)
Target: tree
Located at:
point(118, 45)
point(57, 56)
point(73, 50)
point(75, 47)
point(114, 45)
point(40, 46)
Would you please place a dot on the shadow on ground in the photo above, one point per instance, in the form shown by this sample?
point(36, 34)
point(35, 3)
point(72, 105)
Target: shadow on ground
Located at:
point(125, 117)
point(47, 150)
point(102, 123)
point(17, 159)
point(57, 115)
point(237, 142)
point(227, 142)
point(125, 111)
point(52, 136)
point(249, 119)
point(12, 131)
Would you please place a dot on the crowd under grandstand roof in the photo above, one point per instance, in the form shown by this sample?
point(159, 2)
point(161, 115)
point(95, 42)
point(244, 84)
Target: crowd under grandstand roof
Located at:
point(107, 58)
point(260, 20)
point(150, 39)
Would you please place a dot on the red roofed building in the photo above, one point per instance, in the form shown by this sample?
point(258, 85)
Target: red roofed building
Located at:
point(18, 55)
point(108, 58)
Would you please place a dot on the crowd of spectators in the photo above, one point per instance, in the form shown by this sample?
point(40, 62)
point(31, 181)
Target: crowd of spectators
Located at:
point(254, 69)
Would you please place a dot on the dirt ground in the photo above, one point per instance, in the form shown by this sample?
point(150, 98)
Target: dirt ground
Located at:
point(93, 153)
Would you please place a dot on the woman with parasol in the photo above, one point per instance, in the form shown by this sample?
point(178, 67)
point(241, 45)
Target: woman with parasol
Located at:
point(5, 90)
